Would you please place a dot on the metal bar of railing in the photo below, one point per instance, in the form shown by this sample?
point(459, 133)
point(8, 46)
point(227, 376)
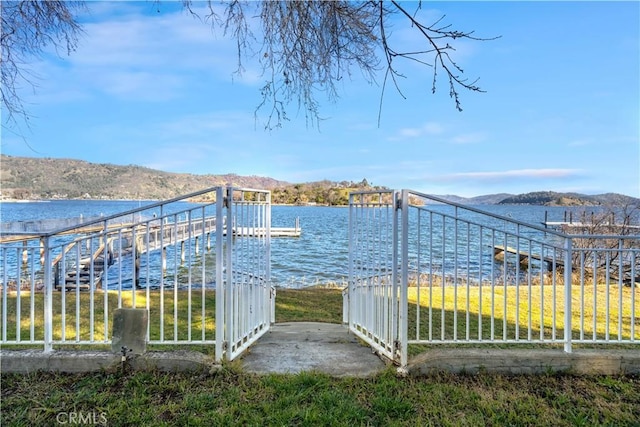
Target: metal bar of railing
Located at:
point(228, 263)
point(567, 296)
point(404, 304)
point(105, 282)
point(48, 298)
point(220, 312)
point(5, 281)
point(203, 277)
point(634, 313)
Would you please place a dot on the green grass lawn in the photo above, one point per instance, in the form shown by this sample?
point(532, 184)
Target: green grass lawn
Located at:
point(312, 305)
point(231, 397)
point(193, 316)
point(315, 304)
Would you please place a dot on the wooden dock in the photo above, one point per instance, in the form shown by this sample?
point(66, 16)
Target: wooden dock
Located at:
point(145, 238)
point(142, 238)
point(294, 231)
point(601, 228)
point(261, 232)
point(83, 277)
point(12, 237)
point(524, 257)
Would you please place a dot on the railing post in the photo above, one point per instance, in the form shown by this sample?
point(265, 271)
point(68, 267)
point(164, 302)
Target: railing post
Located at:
point(568, 269)
point(272, 294)
point(404, 261)
point(348, 313)
point(220, 332)
point(395, 262)
point(345, 305)
point(267, 260)
point(229, 324)
point(48, 296)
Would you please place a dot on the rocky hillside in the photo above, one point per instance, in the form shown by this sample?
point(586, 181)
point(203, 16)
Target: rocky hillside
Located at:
point(46, 178)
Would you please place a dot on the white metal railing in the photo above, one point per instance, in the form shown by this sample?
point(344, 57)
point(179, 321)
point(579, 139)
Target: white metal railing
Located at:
point(249, 297)
point(469, 276)
point(178, 259)
point(373, 285)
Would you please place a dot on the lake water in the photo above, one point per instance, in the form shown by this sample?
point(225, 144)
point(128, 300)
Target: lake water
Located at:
point(319, 256)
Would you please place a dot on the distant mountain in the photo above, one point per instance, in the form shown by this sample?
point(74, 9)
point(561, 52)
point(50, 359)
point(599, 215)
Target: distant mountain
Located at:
point(26, 178)
point(47, 178)
point(487, 199)
point(545, 198)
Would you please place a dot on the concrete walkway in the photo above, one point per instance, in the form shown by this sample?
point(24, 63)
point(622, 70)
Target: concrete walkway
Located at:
point(305, 346)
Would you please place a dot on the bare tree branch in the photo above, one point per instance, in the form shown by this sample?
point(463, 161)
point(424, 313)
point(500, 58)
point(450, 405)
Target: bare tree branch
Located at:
point(27, 28)
point(305, 48)
point(606, 254)
point(441, 57)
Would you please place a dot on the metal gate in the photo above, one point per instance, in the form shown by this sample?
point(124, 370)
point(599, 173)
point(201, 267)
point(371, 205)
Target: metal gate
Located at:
point(374, 285)
point(249, 301)
point(424, 271)
point(61, 287)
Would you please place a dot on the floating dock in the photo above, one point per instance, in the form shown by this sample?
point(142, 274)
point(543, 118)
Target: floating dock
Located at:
point(261, 232)
point(295, 231)
point(524, 257)
point(560, 225)
point(588, 223)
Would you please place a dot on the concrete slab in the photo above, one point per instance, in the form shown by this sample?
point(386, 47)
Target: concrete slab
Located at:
point(305, 346)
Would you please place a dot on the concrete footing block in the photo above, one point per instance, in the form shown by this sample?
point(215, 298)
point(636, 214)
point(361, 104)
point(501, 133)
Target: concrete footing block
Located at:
point(30, 361)
point(173, 361)
point(129, 331)
point(520, 361)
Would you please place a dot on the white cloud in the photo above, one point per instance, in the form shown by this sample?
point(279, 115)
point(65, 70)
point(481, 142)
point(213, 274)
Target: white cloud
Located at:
point(410, 132)
point(141, 85)
point(427, 129)
point(579, 143)
point(137, 56)
point(516, 173)
point(469, 138)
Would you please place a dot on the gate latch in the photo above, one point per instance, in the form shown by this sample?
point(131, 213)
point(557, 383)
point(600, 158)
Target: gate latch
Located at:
point(398, 203)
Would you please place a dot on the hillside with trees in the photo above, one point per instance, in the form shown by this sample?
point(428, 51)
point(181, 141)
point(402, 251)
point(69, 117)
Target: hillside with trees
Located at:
point(326, 193)
point(551, 198)
point(26, 178)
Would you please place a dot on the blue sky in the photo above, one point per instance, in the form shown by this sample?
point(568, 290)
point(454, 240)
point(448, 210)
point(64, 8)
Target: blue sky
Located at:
point(561, 108)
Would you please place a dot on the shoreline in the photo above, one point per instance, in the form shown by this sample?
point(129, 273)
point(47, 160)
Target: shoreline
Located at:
point(152, 201)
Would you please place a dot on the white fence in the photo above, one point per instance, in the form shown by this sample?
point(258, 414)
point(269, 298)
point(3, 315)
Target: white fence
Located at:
point(179, 259)
point(250, 300)
point(424, 271)
point(374, 287)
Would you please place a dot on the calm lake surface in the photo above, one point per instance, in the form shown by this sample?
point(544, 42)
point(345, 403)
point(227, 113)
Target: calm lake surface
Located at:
point(319, 256)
